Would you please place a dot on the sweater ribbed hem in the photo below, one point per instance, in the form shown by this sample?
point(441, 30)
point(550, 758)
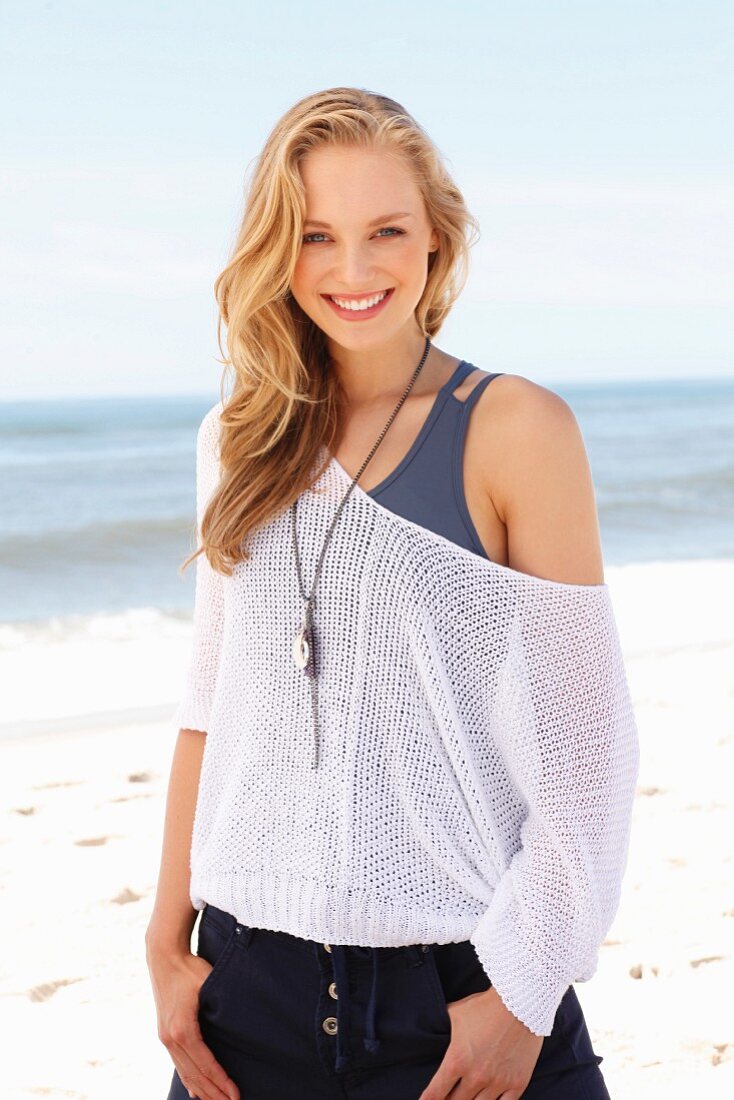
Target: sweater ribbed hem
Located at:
point(345, 914)
point(340, 914)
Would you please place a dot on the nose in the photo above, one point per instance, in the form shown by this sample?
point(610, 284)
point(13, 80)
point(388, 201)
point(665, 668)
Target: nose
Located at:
point(353, 269)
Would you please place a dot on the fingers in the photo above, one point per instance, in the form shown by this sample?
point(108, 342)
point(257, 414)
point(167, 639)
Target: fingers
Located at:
point(199, 1070)
point(445, 1078)
point(198, 1082)
point(212, 1070)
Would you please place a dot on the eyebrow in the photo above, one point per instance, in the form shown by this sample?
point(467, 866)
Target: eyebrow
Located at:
point(376, 221)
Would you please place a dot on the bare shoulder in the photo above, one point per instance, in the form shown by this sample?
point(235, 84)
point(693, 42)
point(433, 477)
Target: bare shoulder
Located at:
point(536, 471)
point(517, 401)
point(518, 418)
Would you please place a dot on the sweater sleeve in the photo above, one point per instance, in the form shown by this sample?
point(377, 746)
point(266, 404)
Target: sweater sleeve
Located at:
point(564, 723)
point(194, 707)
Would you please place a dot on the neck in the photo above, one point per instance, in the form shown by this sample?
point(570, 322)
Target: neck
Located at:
point(374, 375)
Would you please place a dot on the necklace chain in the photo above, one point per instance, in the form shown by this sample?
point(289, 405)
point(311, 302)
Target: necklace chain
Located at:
point(304, 643)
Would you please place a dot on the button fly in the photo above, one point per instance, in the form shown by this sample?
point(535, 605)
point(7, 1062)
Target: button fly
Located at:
point(330, 1025)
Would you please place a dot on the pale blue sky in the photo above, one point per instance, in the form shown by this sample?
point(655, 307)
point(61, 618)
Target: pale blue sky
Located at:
point(593, 140)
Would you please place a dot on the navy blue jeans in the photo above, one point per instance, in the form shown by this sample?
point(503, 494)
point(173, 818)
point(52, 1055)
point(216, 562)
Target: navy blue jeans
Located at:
point(295, 1019)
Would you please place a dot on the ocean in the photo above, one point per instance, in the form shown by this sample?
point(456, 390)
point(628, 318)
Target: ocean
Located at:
point(97, 500)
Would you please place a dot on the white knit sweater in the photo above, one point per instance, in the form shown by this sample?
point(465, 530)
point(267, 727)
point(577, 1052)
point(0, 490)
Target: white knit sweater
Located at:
point(478, 747)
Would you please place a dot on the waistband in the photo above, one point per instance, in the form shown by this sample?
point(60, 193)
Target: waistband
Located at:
point(341, 953)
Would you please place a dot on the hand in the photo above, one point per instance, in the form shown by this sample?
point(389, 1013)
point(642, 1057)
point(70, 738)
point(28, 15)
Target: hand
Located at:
point(177, 976)
point(491, 1055)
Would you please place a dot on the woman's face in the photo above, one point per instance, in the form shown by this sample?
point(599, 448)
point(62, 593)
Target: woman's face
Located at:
point(373, 237)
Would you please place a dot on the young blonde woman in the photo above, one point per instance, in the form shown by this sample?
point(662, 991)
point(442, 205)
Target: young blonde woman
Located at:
point(402, 787)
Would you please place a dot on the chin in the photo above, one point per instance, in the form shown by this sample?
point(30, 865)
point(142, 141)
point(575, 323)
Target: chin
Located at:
point(361, 341)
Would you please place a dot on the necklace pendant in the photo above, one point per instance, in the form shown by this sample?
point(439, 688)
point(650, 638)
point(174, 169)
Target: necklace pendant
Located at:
point(304, 653)
point(301, 648)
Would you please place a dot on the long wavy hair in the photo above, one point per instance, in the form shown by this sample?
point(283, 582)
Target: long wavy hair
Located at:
point(284, 400)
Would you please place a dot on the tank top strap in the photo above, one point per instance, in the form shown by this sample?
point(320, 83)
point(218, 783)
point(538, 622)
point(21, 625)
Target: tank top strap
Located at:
point(457, 460)
point(442, 400)
point(463, 369)
point(470, 401)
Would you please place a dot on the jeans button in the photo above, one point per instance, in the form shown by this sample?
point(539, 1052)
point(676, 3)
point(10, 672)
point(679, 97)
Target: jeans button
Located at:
point(327, 947)
point(330, 1025)
point(332, 990)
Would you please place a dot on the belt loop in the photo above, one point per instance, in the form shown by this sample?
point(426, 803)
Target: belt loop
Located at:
point(244, 934)
point(416, 953)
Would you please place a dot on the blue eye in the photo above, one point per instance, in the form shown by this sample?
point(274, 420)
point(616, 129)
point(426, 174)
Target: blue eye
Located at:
point(387, 229)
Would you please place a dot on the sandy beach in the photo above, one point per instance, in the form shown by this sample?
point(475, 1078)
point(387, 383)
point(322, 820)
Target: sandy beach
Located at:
point(83, 812)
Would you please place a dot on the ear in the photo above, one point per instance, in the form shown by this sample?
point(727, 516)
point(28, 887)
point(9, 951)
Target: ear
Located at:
point(435, 241)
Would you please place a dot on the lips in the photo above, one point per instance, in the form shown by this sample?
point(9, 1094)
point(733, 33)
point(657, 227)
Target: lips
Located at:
point(359, 314)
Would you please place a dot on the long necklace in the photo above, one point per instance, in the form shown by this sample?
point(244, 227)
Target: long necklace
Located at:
point(304, 643)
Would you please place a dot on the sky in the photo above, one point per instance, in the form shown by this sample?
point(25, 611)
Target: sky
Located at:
point(592, 140)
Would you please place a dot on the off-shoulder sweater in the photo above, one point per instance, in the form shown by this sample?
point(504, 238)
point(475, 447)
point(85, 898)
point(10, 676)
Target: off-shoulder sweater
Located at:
point(478, 746)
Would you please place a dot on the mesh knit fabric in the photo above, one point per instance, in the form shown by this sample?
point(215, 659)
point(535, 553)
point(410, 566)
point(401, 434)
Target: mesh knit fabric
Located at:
point(478, 746)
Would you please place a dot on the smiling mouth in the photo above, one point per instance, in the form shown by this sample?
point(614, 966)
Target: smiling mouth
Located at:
point(363, 303)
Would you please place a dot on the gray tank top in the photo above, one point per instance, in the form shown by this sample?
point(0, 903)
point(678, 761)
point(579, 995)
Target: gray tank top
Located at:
point(427, 486)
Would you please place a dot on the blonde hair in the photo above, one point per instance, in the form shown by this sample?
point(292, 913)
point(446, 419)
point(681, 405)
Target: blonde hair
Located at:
point(284, 400)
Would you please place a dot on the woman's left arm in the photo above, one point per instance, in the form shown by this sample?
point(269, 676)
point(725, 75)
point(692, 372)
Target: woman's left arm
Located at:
point(563, 720)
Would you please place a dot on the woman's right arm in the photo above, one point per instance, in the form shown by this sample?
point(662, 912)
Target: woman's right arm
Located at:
point(176, 974)
point(173, 917)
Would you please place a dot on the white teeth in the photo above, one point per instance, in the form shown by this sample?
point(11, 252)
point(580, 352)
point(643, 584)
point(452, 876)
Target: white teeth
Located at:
point(364, 303)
